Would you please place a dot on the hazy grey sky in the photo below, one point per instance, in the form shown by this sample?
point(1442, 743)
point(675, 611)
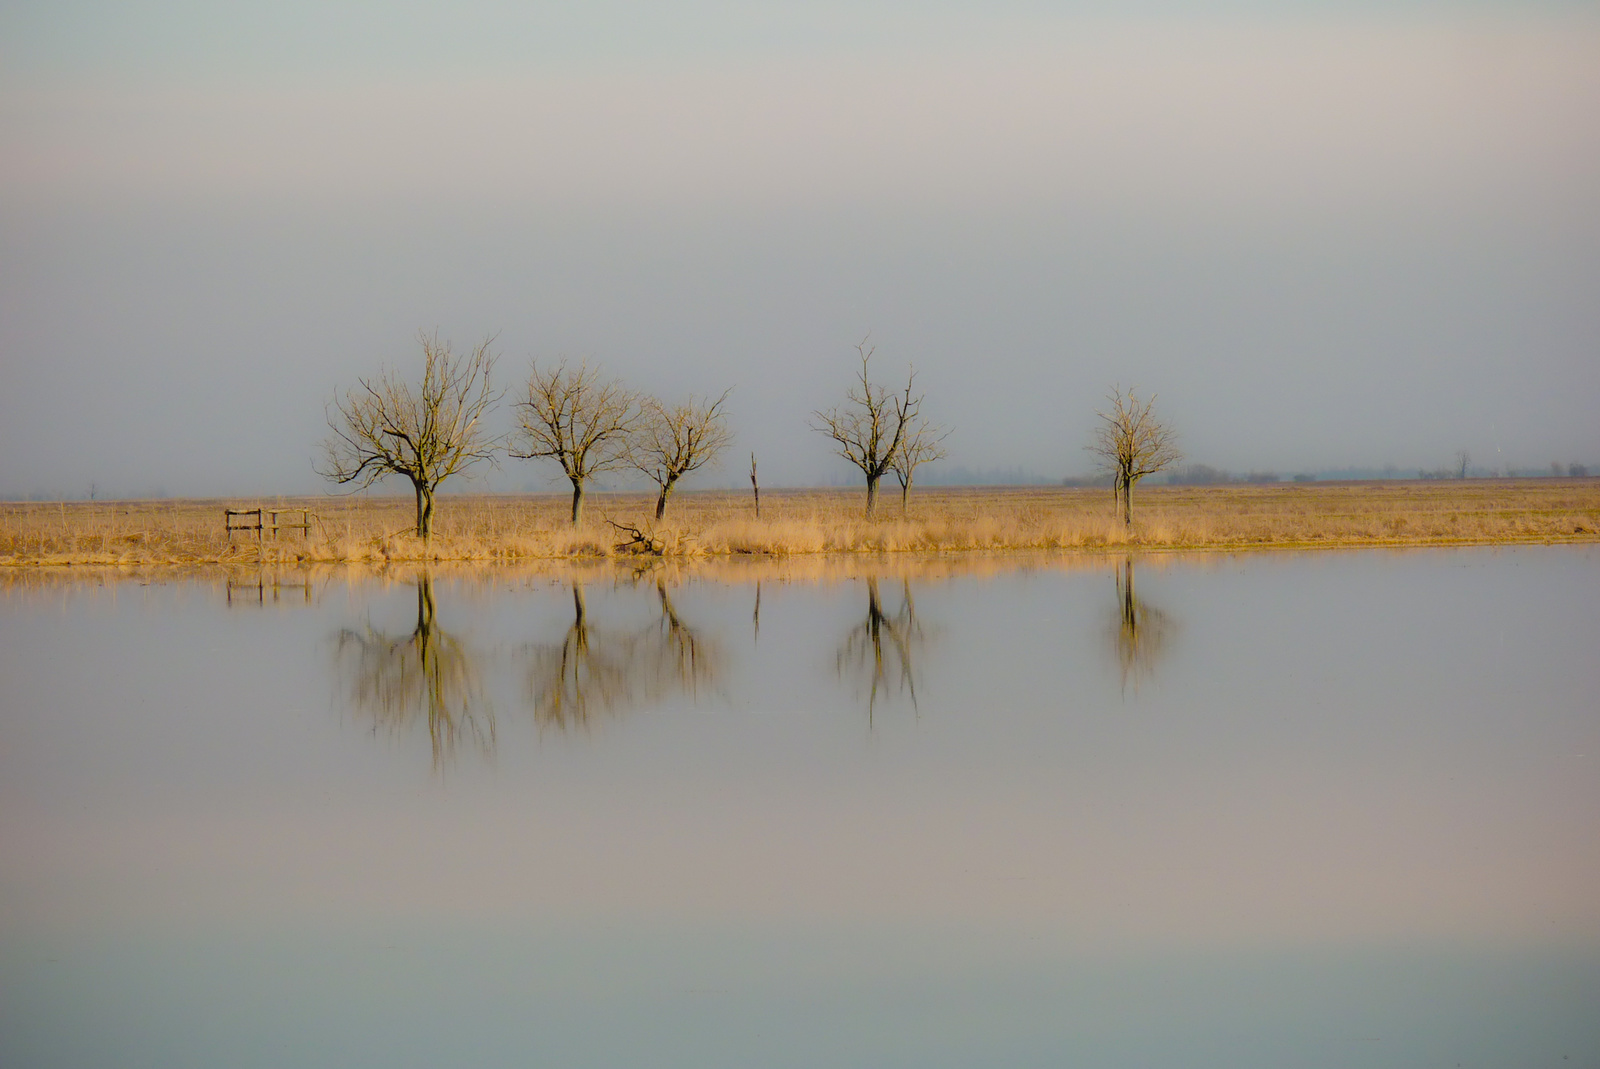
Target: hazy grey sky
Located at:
point(1325, 234)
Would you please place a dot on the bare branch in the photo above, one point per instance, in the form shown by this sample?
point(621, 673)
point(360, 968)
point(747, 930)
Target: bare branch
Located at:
point(922, 444)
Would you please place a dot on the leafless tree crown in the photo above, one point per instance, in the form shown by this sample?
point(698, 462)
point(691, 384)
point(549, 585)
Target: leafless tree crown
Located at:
point(923, 443)
point(673, 440)
point(425, 433)
point(1131, 442)
point(868, 428)
point(578, 417)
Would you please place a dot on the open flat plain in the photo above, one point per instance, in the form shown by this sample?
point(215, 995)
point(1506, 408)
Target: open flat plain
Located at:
point(377, 529)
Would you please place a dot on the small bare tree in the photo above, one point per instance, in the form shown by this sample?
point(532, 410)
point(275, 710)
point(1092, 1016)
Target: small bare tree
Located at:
point(1132, 443)
point(921, 444)
point(1463, 458)
point(385, 427)
point(673, 441)
point(869, 427)
point(578, 417)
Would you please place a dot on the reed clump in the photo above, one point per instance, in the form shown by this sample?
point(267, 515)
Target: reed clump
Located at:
point(378, 530)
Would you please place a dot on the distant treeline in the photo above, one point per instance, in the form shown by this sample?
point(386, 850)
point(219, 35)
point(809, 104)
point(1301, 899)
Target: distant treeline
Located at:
point(1554, 471)
point(959, 475)
point(1192, 475)
point(1196, 475)
point(1206, 475)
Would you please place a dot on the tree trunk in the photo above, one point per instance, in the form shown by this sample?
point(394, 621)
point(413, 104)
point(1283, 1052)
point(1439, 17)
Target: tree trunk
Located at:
point(905, 494)
point(424, 512)
point(661, 501)
point(872, 493)
point(577, 502)
point(1127, 504)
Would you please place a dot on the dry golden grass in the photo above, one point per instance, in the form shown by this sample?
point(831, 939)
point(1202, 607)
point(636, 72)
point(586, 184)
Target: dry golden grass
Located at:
point(816, 523)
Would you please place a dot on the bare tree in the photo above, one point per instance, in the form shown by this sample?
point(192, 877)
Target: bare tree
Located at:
point(921, 444)
point(1463, 458)
point(1132, 443)
point(673, 441)
point(579, 418)
point(385, 427)
point(869, 427)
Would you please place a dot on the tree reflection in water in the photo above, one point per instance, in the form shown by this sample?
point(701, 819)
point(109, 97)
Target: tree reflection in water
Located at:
point(686, 659)
point(597, 671)
point(428, 675)
point(882, 646)
point(1141, 631)
point(587, 672)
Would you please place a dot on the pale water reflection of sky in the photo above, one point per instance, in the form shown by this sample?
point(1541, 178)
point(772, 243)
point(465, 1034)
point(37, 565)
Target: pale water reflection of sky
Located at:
point(1346, 816)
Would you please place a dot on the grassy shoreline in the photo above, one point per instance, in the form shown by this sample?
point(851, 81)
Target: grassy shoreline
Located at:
point(966, 521)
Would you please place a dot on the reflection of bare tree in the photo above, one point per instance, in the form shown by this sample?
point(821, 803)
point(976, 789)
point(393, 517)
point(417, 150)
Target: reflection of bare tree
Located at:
point(587, 672)
point(428, 674)
point(595, 671)
point(1141, 632)
point(883, 645)
point(685, 657)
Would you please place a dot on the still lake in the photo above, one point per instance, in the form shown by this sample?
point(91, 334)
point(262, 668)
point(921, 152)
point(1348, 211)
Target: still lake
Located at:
point(1337, 809)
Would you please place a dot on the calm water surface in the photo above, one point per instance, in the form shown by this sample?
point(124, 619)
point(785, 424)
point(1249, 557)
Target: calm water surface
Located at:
point(1321, 810)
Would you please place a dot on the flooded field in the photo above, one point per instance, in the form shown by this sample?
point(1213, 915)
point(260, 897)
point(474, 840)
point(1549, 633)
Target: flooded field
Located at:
point(1335, 809)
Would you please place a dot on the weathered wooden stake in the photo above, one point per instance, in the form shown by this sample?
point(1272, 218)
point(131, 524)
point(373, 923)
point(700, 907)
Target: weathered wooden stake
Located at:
point(755, 485)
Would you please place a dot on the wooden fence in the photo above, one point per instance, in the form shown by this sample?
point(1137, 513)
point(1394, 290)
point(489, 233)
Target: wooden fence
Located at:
point(266, 521)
